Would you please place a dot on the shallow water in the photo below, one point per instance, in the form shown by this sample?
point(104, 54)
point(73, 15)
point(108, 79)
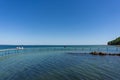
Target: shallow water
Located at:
point(46, 63)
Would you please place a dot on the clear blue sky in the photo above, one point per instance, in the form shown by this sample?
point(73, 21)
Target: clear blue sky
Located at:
point(59, 21)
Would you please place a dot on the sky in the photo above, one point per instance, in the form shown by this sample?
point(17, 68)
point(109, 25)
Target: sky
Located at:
point(59, 22)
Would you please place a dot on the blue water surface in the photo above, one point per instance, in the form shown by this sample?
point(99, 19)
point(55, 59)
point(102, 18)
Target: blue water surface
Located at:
point(55, 63)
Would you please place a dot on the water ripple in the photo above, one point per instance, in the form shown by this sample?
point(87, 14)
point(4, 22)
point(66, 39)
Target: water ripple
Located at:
point(56, 65)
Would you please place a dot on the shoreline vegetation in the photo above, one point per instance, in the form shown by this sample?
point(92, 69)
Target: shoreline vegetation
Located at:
point(114, 42)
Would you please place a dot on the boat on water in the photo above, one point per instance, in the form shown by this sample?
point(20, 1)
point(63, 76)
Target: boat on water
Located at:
point(18, 48)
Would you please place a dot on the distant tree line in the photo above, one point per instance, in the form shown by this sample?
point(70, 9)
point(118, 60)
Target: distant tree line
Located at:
point(114, 42)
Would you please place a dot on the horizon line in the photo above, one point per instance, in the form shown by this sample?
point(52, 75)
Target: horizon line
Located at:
point(51, 44)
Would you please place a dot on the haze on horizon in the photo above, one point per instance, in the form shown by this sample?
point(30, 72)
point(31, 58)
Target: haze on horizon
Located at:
point(65, 22)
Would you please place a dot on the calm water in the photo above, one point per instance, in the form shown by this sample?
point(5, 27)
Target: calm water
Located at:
point(54, 63)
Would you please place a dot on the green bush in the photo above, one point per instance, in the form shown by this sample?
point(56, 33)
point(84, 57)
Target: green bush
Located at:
point(114, 42)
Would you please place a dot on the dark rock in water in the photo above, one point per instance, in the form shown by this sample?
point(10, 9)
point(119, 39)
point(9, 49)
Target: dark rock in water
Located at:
point(114, 54)
point(118, 54)
point(95, 53)
point(98, 53)
point(103, 54)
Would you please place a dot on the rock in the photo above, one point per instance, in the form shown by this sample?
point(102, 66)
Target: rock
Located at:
point(103, 54)
point(98, 53)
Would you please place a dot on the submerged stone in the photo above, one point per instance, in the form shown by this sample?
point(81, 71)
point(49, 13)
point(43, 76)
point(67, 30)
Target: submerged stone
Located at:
point(104, 54)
